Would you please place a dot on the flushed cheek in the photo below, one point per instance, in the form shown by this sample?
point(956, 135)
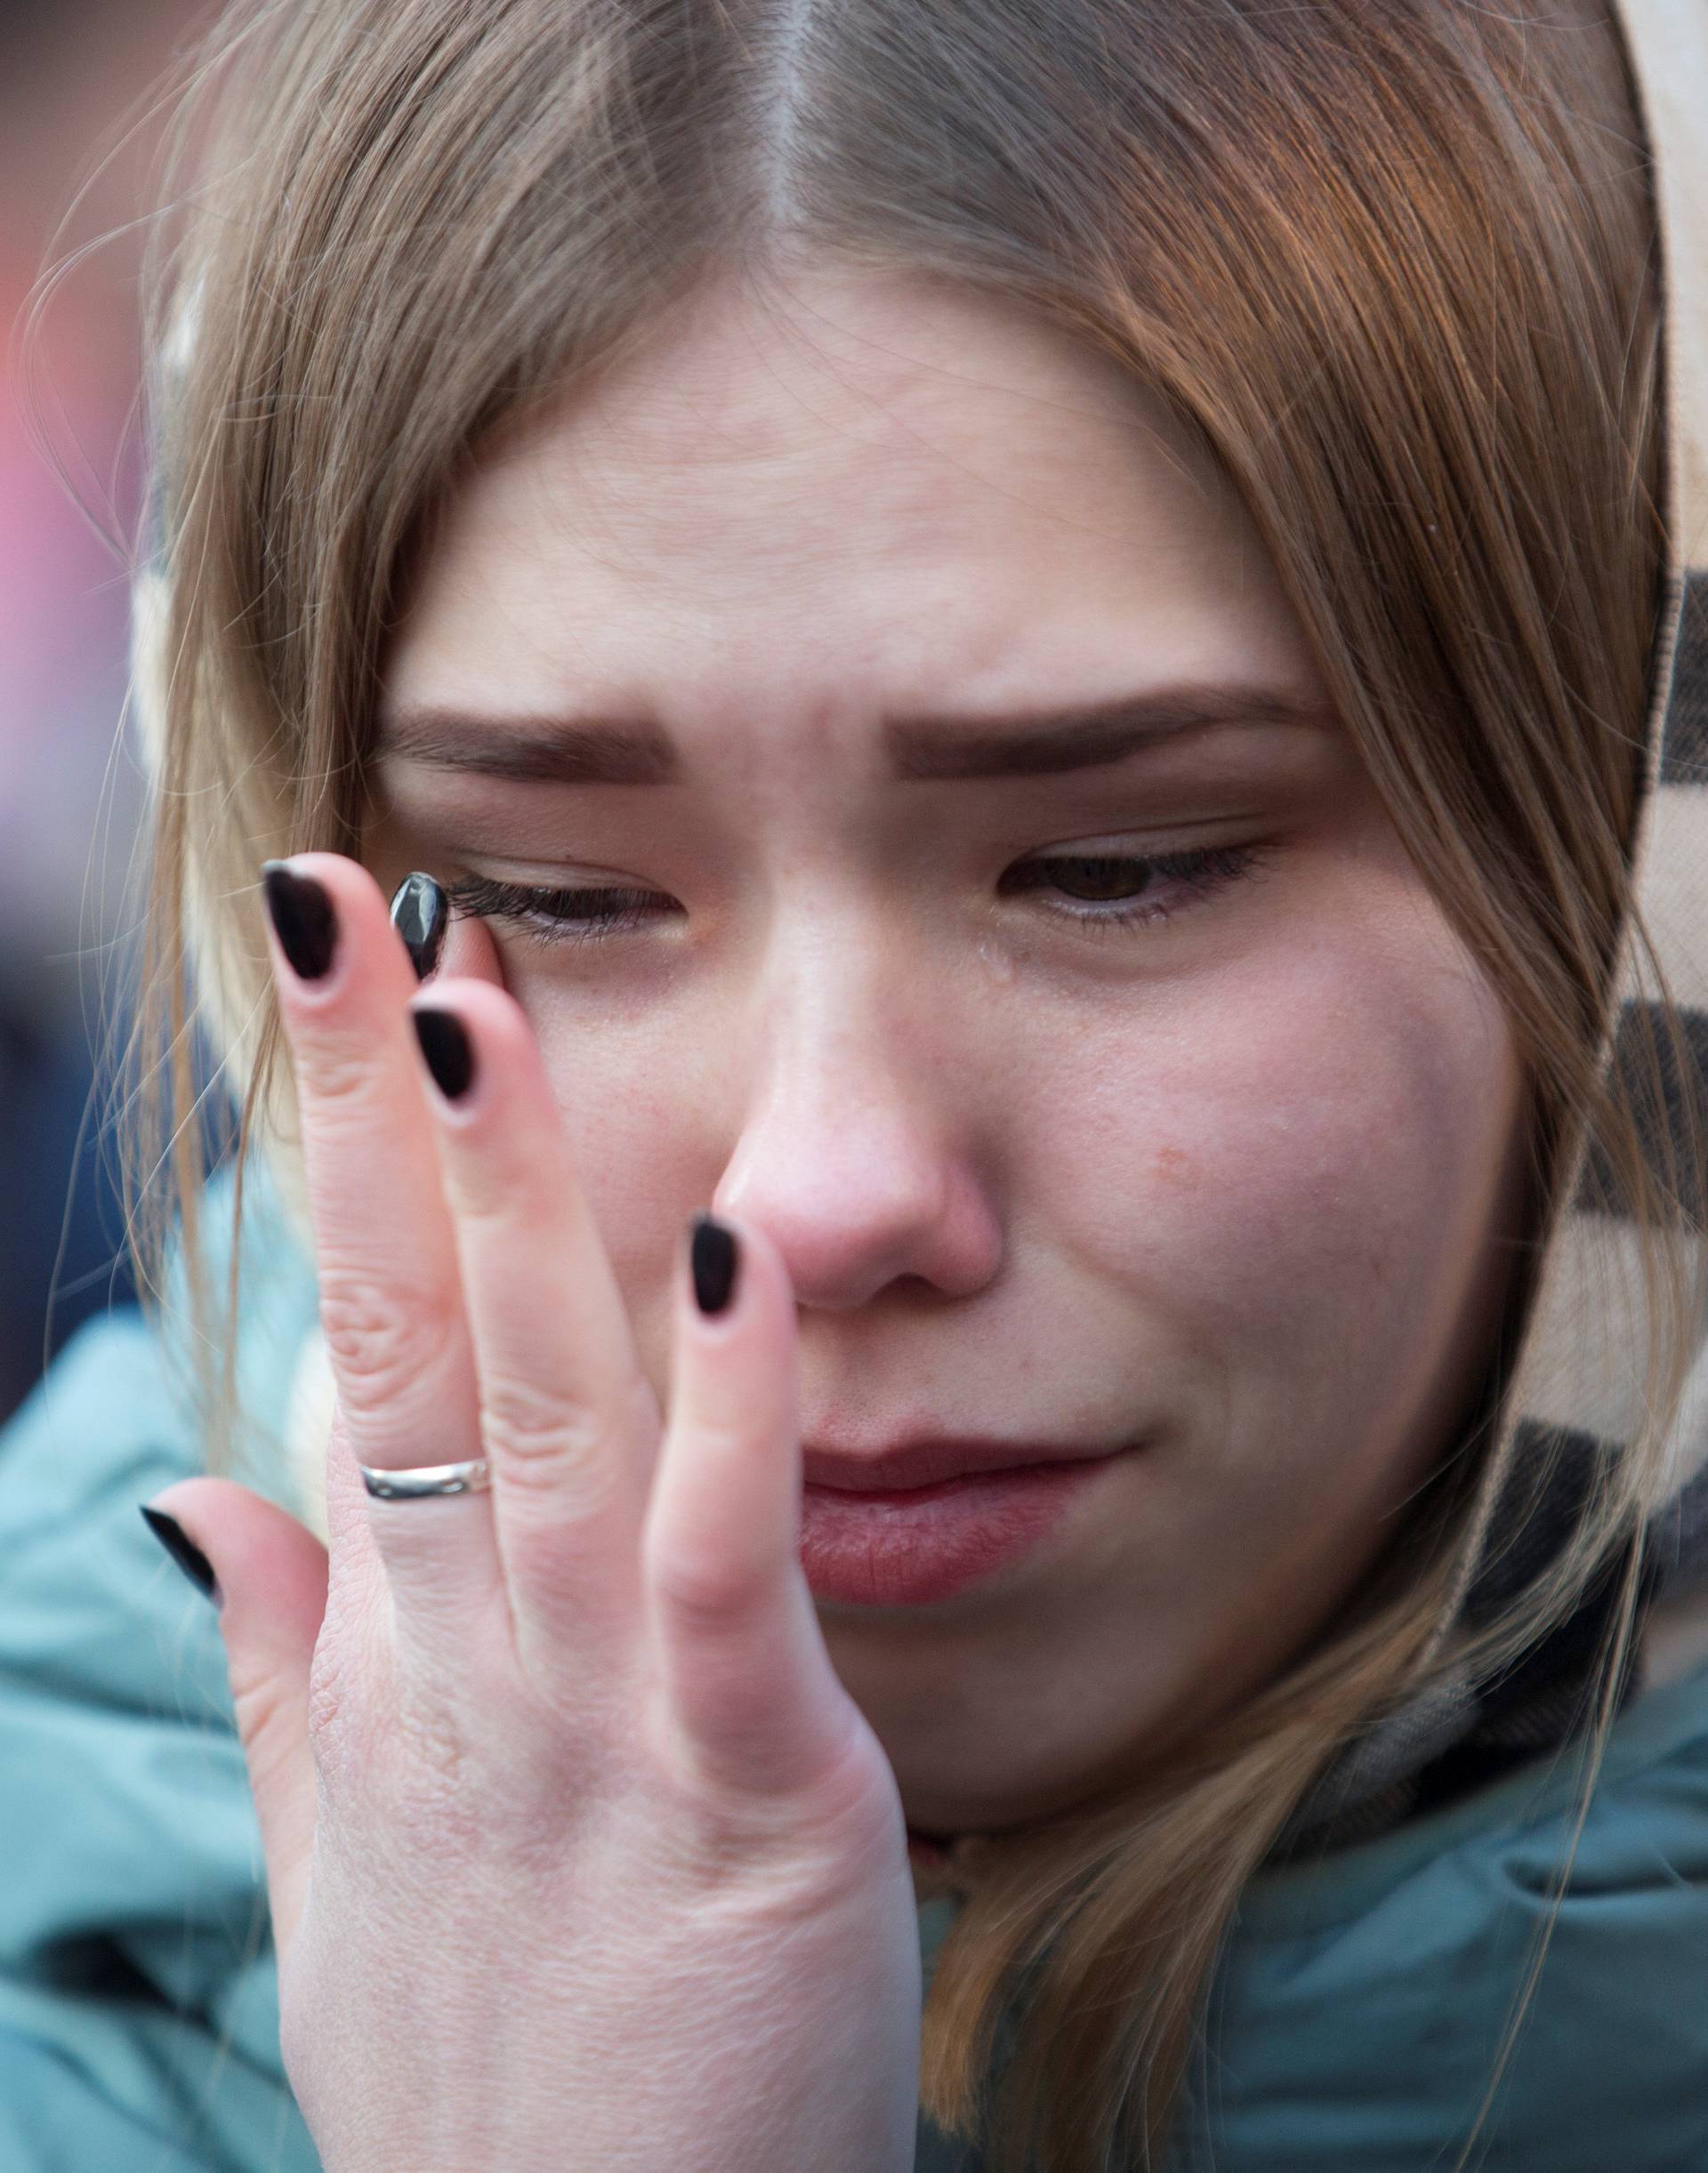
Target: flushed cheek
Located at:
point(1303, 1178)
point(1295, 1219)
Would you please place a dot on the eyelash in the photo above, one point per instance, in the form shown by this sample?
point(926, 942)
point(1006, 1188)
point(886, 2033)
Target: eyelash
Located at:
point(542, 915)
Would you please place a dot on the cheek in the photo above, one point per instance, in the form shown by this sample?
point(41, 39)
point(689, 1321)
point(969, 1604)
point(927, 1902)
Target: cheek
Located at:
point(623, 1098)
point(1292, 1175)
point(1295, 1189)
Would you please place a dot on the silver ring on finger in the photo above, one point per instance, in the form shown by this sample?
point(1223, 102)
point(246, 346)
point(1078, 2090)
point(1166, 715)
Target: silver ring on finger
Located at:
point(473, 1478)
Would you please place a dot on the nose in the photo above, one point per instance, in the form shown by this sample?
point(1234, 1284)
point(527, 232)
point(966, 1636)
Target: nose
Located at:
point(858, 1152)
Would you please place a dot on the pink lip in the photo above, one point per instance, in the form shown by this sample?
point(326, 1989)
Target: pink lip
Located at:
point(909, 1547)
point(925, 1460)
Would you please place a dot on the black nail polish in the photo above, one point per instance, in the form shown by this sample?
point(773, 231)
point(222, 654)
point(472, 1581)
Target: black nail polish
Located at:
point(714, 1259)
point(445, 1048)
point(304, 920)
point(184, 1552)
point(421, 913)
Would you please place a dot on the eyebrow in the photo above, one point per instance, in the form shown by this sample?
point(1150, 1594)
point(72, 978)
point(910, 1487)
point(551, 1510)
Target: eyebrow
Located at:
point(529, 750)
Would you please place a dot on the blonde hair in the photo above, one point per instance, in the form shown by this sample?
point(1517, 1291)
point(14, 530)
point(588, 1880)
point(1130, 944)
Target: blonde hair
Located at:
point(1393, 262)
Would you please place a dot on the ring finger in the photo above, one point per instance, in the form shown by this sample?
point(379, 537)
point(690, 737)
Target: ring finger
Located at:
point(390, 1299)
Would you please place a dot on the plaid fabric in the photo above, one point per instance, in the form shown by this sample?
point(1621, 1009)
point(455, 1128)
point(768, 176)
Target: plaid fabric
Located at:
point(1575, 1389)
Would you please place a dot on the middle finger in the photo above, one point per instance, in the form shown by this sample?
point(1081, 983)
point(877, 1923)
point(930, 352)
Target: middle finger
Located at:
point(569, 1418)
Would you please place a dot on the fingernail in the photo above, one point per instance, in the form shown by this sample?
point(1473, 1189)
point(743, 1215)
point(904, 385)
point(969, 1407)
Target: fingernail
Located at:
point(184, 1552)
point(714, 1258)
point(420, 913)
point(446, 1050)
point(303, 917)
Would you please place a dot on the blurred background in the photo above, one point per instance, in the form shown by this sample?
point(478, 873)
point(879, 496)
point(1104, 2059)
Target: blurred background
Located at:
point(78, 143)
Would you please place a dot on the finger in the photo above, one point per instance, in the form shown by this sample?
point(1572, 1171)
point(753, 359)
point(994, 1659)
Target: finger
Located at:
point(569, 1419)
point(390, 1302)
point(271, 1575)
point(749, 1693)
point(437, 942)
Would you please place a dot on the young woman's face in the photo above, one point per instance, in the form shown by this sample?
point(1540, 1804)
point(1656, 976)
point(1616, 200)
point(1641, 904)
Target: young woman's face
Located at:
point(1134, 1095)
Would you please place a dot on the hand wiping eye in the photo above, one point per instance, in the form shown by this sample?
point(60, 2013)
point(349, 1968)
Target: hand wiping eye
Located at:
point(589, 1614)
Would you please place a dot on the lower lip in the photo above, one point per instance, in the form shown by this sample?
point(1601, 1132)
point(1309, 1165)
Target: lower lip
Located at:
point(907, 1548)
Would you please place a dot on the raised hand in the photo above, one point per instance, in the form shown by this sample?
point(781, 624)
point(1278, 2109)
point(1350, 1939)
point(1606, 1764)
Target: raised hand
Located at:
point(580, 1856)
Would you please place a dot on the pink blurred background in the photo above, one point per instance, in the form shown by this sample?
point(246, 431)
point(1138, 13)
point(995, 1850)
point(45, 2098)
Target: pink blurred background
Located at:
point(77, 143)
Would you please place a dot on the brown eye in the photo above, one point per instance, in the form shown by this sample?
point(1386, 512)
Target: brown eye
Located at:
point(1127, 881)
point(1085, 876)
point(1093, 880)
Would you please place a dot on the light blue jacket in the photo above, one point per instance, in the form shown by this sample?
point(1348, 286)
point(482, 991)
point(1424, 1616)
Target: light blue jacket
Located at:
point(1355, 2023)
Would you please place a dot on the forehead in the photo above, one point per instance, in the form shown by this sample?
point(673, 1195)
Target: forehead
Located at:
point(896, 476)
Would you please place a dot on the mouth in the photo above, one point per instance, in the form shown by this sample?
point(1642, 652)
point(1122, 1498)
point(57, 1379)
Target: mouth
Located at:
point(888, 1546)
point(927, 1460)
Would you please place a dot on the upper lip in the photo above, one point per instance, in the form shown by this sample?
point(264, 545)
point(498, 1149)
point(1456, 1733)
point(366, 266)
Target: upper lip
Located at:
point(926, 1461)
